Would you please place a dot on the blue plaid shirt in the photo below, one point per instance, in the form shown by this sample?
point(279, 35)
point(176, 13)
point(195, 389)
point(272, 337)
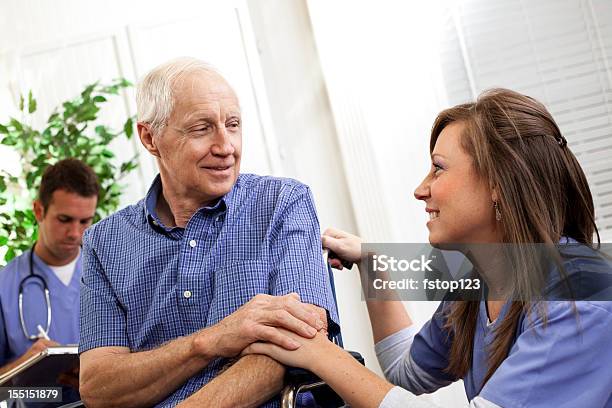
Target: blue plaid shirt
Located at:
point(144, 284)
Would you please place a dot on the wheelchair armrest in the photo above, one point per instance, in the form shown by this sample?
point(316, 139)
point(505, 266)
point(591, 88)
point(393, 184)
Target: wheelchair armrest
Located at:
point(299, 380)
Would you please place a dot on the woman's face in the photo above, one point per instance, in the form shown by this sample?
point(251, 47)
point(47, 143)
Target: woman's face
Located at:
point(459, 203)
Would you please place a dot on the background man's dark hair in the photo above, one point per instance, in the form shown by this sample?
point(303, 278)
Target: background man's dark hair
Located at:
point(70, 175)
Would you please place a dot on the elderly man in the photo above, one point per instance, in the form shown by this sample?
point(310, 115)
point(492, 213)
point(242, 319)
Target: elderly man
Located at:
point(207, 263)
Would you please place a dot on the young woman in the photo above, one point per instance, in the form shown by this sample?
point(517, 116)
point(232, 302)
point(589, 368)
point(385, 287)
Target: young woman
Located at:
point(501, 173)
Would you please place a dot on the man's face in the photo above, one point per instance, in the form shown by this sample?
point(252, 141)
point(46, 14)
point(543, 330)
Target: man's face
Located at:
point(199, 150)
point(61, 226)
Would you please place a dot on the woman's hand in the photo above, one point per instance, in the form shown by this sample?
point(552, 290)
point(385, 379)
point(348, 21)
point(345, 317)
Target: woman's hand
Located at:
point(309, 351)
point(346, 246)
point(356, 385)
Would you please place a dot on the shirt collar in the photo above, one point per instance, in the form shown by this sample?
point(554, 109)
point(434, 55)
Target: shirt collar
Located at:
point(222, 206)
point(41, 268)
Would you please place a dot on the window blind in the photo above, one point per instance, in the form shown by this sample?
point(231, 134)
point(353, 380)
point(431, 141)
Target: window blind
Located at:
point(558, 51)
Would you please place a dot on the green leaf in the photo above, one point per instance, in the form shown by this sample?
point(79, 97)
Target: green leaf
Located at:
point(108, 154)
point(39, 161)
point(3, 240)
point(16, 124)
point(3, 129)
point(21, 102)
point(128, 128)
point(99, 99)
point(46, 136)
point(30, 180)
point(69, 109)
point(10, 254)
point(88, 90)
point(123, 83)
point(54, 116)
point(31, 103)
point(129, 165)
point(87, 112)
point(112, 89)
point(9, 141)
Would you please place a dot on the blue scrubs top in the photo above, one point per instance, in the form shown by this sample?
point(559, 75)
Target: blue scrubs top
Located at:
point(64, 302)
point(564, 362)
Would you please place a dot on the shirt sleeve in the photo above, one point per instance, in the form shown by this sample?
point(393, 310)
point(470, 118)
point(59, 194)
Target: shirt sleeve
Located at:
point(564, 362)
point(3, 338)
point(400, 398)
point(297, 256)
point(102, 319)
point(399, 368)
point(429, 353)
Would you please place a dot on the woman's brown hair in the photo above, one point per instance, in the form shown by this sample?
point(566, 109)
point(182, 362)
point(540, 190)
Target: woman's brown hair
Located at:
point(543, 195)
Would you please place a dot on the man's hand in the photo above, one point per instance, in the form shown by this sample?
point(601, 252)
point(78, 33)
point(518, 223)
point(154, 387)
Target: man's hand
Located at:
point(36, 348)
point(40, 345)
point(259, 320)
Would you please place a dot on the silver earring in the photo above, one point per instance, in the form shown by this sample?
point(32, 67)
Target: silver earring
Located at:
point(497, 212)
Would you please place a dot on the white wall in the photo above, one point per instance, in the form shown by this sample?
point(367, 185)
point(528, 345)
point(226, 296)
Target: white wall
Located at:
point(307, 139)
point(55, 48)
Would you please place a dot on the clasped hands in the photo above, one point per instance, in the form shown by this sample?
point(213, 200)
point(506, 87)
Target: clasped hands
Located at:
point(270, 325)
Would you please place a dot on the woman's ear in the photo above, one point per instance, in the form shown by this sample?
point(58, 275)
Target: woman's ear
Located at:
point(494, 195)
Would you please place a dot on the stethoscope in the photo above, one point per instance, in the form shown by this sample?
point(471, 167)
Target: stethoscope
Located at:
point(30, 277)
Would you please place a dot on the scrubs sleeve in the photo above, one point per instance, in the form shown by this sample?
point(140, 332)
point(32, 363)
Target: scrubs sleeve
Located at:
point(400, 398)
point(3, 338)
point(564, 362)
point(429, 352)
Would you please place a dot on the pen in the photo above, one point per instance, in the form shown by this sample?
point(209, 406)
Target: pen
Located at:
point(42, 333)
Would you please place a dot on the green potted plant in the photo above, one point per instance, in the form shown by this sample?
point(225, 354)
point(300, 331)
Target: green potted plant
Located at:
point(72, 130)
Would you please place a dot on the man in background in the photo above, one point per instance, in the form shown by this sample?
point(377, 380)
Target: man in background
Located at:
point(65, 207)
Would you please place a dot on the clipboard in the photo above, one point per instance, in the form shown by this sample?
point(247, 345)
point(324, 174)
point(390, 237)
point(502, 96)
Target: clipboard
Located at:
point(42, 369)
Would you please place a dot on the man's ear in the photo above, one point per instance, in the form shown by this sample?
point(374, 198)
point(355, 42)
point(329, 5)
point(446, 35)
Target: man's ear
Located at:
point(146, 138)
point(39, 210)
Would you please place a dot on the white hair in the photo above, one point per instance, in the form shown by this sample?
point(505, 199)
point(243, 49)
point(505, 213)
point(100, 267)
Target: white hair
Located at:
point(154, 94)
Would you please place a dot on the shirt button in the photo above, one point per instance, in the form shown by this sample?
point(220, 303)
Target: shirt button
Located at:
point(187, 294)
point(193, 243)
